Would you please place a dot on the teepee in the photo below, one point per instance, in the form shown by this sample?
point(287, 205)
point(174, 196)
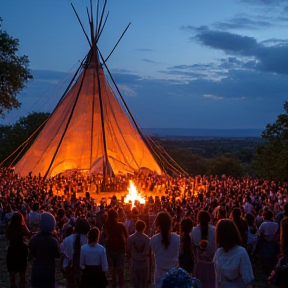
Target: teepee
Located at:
point(91, 129)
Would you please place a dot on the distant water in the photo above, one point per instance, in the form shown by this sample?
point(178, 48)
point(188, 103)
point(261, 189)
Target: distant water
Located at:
point(203, 132)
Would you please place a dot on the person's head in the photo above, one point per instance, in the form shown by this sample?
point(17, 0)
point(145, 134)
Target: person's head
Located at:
point(60, 213)
point(17, 219)
point(140, 226)
point(176, 278)
point(221, 213)
point(236, 213)
point(68, 231)
point(249, 219)
point(35, 206)
point(203, 218)
point(163, 222)
point(227, 234)
point(268, 215)
point(186, 225)
point(93, 235)
point(112, 215)
point(47, 222)
point(81, 226)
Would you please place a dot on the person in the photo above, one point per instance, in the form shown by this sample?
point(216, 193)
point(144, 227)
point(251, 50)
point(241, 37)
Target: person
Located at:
point(231, 261)
point(268, 243)
point(241, 224)
point(44, 248)
point(34, 218)
point(93, 262)
point(284, 232)
point(179, 278)
point(186, 258)
point(115, 235)
point(204, 247)
point(138, 251)
point(17, 252)
point(165, 247)
point(70, 248)
point(252, 238)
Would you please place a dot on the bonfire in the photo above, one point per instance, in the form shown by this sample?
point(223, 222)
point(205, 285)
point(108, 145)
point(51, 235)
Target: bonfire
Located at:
point(133, 195)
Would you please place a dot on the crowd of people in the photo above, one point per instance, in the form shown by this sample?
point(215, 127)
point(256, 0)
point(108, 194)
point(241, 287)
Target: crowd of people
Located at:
point(197, 231)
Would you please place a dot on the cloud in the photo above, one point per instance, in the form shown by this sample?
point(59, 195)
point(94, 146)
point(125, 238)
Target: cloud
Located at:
point(269, 55)
point(210, 96)
point(149, 61)
point(244, 22)
point(144, 50)
point(225, 41)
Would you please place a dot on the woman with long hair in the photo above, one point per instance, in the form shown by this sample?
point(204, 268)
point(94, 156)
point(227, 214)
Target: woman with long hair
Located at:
point(115, 234)
point(17, 253)
point(204, 247)
point(236, 216)
point(165, 247)
point(232, 264)
point(185, 252)
point(93, 262)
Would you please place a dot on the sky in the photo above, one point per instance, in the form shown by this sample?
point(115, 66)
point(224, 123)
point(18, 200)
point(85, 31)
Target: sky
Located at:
point(201, 64)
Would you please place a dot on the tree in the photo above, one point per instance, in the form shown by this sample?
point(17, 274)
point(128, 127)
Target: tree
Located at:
point(12, 136)
point(271, 161)
point(14, 73)
point(225, 165)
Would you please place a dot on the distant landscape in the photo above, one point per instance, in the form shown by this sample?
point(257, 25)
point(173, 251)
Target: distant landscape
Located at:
point(203, 132)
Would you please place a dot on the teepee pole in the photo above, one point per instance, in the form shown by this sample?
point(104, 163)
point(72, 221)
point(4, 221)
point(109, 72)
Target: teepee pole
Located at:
point(81, 25)
point(117, 42)
point(95, 59)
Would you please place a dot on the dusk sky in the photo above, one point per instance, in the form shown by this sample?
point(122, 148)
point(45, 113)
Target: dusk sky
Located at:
point(181, 64)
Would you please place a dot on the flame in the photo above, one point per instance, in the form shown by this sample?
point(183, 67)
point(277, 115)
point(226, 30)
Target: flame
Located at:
point(133, 195)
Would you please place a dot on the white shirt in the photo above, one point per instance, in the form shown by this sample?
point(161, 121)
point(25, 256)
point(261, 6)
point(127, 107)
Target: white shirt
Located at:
point(93, 255)
point(233, 268)
point(268, 228)
point(165, 259)
point(67, 246)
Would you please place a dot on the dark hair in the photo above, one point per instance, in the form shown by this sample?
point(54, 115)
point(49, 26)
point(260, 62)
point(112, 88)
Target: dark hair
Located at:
point(111, 219)
point(224, 239)
point(203, 218)
point(69, 230)
point(36, 206)
point(236, 213)
point(93, 235)
point(140, 226)
point(164, 221)
point(268, 215)
point(61, 212)
point(250, 219)
point(186, 225)
point(15, 225)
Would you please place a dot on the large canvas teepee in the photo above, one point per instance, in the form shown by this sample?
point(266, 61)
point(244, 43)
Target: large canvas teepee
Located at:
point(91, 129)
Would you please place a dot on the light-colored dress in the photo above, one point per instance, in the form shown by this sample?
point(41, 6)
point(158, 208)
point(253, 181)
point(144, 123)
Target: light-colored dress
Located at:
point(233, 268)
point(203, 259)
point(165, 259)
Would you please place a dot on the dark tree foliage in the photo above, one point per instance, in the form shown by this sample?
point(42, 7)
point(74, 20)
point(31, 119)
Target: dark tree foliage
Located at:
point(271, 161)
point(14, 73)
point(12, 136)
point(225, 166)
point(191, 163)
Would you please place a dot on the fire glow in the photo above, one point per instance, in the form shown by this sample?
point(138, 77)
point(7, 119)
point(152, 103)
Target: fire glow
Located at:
point(133, 196)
